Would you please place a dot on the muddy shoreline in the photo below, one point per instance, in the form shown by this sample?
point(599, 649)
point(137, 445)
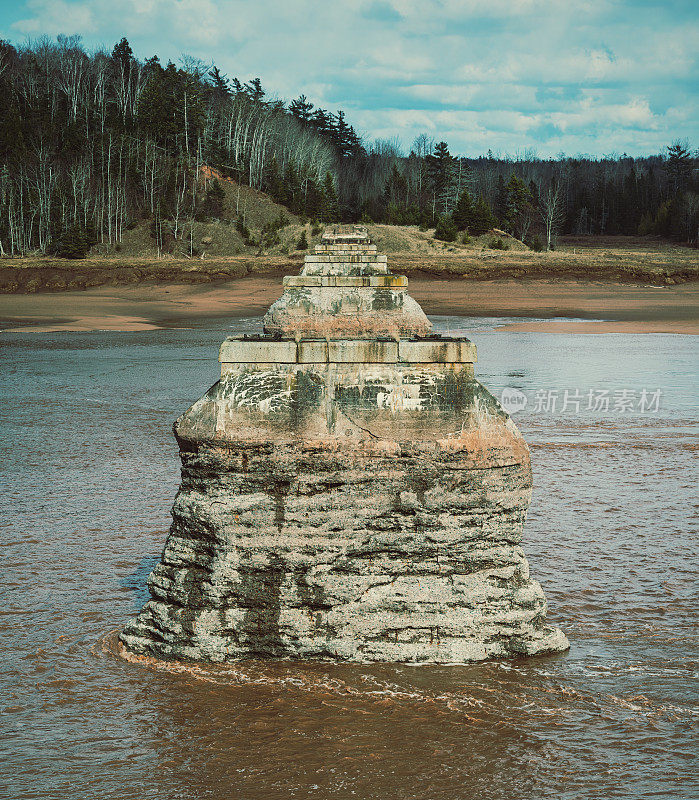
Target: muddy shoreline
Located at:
point(578, 306)
point(620, 262)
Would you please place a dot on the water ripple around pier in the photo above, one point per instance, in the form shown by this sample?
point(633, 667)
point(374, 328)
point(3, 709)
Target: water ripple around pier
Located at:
point(88, 468)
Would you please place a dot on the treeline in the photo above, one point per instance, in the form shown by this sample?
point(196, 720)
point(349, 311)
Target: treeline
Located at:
point(534, 199)
point(91, 143)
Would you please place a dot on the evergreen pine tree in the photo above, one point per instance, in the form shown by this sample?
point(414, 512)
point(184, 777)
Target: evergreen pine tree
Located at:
point(293, 197)
point(679, 165)
point(354, 145)
point(322, 121)
point(441, 168)
point(395, 196)
point(482, 219)
point(463, 212)
point(446, 229)
point(123, 54)
point(213, 205)
point(219, 84)
point(274, 183)
point(301, 109)
point(339, 131)
point(313, 202)
point(520, 208)
point(73, 243)
point(254, 90)
point(501, 201)
point(329, 213)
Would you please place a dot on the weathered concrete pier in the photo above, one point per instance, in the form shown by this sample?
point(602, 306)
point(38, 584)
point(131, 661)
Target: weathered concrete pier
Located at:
point(349, 490)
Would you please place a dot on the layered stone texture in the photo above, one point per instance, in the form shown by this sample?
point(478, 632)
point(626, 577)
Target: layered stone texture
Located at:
point(357, 496)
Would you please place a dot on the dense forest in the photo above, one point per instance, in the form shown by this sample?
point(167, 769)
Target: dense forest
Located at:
point(93, 143)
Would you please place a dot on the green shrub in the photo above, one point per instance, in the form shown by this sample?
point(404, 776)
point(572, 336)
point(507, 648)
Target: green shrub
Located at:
point(244, 231)
point(267, 240)
point(303, 242)
point(482, 219)
point(316, 228)
point(280, 222)
point(269, 234)
point(446, 229)
point(213, 202)
point(73, 243)
point(498, 244)
point(646, 226)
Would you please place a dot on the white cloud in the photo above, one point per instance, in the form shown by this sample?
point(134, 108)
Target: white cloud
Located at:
point(56, 16)
point(507, 74)
point(196, 21)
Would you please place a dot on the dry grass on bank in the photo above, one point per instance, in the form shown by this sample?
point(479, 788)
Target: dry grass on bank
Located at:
point(221, 255)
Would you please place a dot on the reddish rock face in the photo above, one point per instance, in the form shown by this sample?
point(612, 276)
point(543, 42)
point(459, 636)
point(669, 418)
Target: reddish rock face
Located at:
point(349, 491)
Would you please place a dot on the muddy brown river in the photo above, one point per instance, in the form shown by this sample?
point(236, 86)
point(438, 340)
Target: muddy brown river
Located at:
point(89, 469)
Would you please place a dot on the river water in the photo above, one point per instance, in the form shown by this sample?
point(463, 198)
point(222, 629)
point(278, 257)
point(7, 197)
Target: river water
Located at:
point(89, 468)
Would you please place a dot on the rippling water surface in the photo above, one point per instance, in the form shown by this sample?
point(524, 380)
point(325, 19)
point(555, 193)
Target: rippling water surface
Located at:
point(89, 468)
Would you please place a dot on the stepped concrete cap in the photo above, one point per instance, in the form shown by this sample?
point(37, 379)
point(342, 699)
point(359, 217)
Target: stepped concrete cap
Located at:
point(345, 290)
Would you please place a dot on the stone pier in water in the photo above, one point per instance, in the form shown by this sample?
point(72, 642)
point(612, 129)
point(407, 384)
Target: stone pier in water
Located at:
point(349, 490)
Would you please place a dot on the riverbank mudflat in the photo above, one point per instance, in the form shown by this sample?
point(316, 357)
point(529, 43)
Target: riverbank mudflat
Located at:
point(587, 307)
point(626, 260)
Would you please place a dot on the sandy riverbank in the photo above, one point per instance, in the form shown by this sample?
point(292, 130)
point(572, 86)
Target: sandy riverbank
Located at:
point(623, 260)
point(587, 307)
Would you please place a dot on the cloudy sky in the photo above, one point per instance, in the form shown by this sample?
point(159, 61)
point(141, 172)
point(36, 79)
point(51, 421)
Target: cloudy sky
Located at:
point(596, 76)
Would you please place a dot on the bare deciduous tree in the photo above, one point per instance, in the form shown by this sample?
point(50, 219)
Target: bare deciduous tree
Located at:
point(551, 210)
